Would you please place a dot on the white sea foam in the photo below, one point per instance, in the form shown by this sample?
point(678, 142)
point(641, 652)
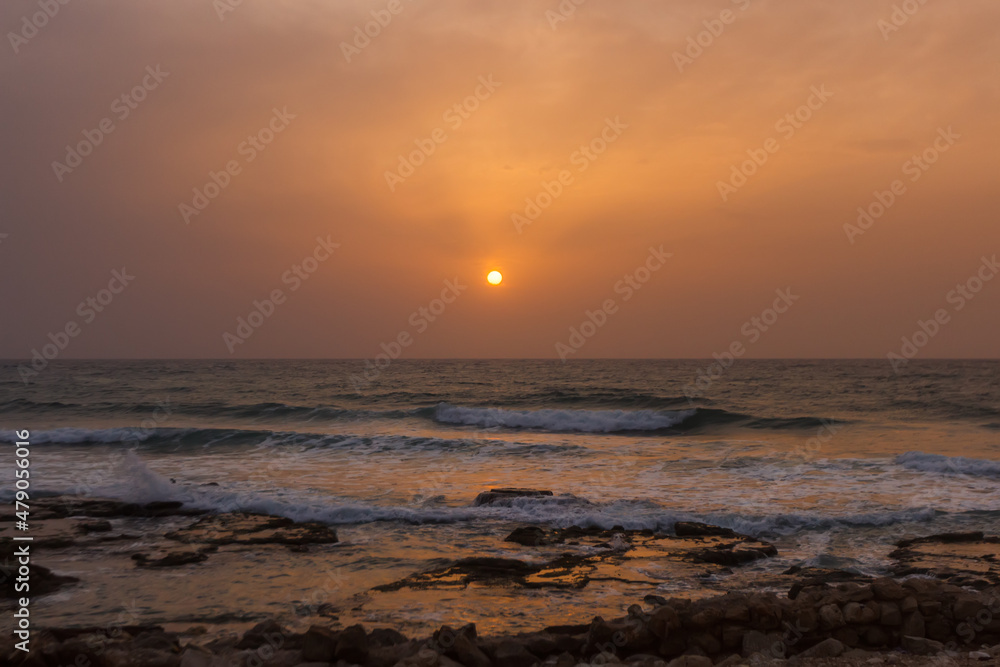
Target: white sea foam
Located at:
point(956, 465)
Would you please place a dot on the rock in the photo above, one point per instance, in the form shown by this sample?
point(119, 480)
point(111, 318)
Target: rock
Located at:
point(876, 636)
point(979, 655)
point(967, 606)
point(466, 652)
point(755, 642)
point(664, 620)
point(732, 636)
point(860, 614)
point(943, 538)
point(94, 527)
point(195, 656)
point(529, 536)
point(267, 633)
point(173, 559)
point(246, 529)
point(509, 653)
point(828, 648)
point(706, 642)
point(690, 661)
point(319, 644)
point(890, 614)
point(352, 645)
point(383, 637)
point(908, 605)
point(694, 529)
point(506, 494)
point(731, 661)
point(848, 636)
point(913, 625)
point(921, 646)
point(831, 617)
point(929, 607)
point(734, 554)
point(43, 580)
point(888, 590)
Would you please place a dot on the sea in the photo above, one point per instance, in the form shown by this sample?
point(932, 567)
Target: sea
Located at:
point(832, 461)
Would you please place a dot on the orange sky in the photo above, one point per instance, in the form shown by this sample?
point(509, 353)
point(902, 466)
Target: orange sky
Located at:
point(673, 128)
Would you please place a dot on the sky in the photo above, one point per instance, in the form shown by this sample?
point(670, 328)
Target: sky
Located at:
point(263, 179)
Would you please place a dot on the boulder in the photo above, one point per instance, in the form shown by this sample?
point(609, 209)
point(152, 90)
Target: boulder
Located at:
point(921, 646)
point(510, 653)
point(831, 617)
point(352, 645)
point(529, 536)
point(319, 644)
point(828, 648)
point(913, 625)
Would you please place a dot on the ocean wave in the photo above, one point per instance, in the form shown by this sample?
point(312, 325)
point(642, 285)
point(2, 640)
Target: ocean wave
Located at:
point(180, 438)
point(586, 421)
point(615, 421)
point(956, 465)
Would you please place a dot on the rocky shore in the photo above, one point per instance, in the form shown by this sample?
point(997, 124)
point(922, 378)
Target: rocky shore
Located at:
point(941, 607)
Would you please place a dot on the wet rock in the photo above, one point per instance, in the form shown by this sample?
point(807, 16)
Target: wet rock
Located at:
point(506, 494)
point(529, 536)
point(694, 529)
point(567, 571)
point(734, 554)
point(94, 527)
point(43, 580)
point(943, 538)
point(246, 529)
point(174, 559)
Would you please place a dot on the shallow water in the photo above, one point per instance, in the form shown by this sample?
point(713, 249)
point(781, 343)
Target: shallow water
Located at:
point(832, 461)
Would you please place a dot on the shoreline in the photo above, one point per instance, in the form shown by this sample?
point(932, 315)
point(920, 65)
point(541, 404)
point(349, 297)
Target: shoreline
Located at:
point(941, 602)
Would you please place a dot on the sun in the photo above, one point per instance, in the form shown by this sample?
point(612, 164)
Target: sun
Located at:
point(494, 278)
